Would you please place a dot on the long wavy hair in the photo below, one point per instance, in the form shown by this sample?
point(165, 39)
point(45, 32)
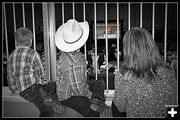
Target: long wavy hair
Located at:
point(140, 51)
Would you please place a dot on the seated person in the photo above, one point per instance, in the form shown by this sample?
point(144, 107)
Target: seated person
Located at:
point(72, 90)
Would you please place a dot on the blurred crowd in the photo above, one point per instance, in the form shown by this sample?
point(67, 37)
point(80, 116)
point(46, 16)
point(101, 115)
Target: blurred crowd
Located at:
point(101, 61)
point(171, 58)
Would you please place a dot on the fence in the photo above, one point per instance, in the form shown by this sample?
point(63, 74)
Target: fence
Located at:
point(47, 15)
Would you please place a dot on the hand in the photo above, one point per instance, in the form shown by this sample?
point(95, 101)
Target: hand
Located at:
point(14, 92)
point(98, 95)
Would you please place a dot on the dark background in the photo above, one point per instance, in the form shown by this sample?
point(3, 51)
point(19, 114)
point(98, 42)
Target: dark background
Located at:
point(123, 15)
point(111, 17)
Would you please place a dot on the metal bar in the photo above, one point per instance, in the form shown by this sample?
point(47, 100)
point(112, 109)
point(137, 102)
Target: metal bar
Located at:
point(129, 15)
point(141, 14)
point(34, 31)
point(14, 18)
point(46, 41)
point(107, 82)
point(165, 33)
point(24, 24)
point(153, 17)
point(52, 44)
point(73, 10)
point(118, 36)
point(63, 12)
point(95, 38)
point(84, 14)
point(177, 48)
point(5, 25)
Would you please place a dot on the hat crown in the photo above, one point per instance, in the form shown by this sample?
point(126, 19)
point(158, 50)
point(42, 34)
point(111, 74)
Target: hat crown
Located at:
point(72, 31)
point(72, 35)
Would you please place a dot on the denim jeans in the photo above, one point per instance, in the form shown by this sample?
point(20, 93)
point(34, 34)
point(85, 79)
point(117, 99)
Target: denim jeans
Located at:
point(79, 103)
point(116, 112)
point(32, 94)
point(97, 88)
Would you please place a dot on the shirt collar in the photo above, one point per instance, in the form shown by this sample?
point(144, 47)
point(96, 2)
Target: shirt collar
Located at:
point(22, 47)
point(71, 55)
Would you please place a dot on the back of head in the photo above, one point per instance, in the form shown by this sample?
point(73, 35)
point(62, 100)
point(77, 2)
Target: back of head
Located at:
point(23, 36)
point(140, 50)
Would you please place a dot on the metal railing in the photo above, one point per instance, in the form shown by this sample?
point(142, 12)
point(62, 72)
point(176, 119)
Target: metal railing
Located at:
point(48, 10)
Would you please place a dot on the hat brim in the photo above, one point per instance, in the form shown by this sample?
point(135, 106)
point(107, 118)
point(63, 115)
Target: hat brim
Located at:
point(66, 47)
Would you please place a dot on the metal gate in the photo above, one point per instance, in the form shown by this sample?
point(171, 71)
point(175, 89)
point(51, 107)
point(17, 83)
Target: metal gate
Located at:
point(48, 13)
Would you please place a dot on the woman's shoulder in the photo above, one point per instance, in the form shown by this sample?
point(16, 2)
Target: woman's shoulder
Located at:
point(125, 76)
point(165, 71)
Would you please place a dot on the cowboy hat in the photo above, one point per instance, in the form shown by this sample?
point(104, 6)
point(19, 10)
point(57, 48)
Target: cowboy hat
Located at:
point(72, 35)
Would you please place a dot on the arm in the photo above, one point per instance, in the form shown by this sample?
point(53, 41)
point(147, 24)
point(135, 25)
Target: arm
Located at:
point(168, 87)
point(10, 79)
point(119, 96)
point(62, 83)
point(38, 69)
point(77, 82)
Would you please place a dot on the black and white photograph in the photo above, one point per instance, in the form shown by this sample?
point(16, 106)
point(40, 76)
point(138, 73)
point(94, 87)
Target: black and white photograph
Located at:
point(90, 59)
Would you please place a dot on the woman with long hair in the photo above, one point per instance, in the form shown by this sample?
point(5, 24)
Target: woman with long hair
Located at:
point(144, 84)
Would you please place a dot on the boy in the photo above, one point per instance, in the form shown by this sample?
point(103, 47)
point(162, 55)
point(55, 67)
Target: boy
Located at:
point(25, 73)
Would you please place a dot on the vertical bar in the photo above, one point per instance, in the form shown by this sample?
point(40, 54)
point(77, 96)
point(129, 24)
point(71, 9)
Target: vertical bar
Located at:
point(34, 38)
point(141, 14)
point(153, 17)
point(46, 41)
point(95, 37)
point(5, 25)
point(14, 17)
point(63, 12)
point(177, 48)
point(84, 14)
point(129, 13)
point(165, 33)
point(23, 14)
point(52, 44)
point(106, 49)
point(118, 36)
point(73, 10)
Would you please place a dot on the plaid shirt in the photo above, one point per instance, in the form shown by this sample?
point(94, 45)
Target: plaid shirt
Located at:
point(24, 68)
point(71, 78)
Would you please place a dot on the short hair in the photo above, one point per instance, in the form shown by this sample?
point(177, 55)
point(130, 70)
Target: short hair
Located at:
point(140, 50)
point(23, 36)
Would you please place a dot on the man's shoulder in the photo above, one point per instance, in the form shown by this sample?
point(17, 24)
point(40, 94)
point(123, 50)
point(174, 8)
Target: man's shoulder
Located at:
point(63, 63)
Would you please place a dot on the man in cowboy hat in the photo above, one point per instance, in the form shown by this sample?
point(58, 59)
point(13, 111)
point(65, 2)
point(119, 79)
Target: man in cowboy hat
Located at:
point(73, 90)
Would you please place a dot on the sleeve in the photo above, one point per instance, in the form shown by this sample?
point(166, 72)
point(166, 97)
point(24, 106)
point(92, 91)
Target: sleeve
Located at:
point(120, 95)
point(62, 83)
point(77, 83)
point(168, 87)
point(10, 79)
point(38, 69)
